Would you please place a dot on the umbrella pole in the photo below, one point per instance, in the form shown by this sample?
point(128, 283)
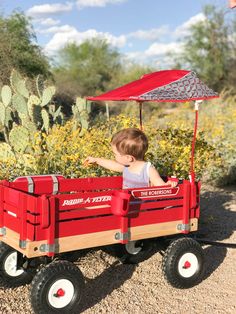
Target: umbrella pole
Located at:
point(192, 173)
point(140, 115)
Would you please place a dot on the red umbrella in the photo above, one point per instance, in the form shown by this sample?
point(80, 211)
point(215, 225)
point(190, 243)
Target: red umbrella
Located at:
point(163, 86)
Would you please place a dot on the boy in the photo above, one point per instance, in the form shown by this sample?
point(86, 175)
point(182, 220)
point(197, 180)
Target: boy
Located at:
point(129, 147)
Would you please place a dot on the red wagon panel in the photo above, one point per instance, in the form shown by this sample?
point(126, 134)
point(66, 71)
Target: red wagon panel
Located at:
point(83, 210)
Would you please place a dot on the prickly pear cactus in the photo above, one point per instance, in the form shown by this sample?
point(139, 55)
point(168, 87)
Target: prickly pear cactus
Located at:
point(18, 84)
point(29, 125)
point(19, 138)
point(6, 151)
point(2, 113)
point(83, 105)
point(19, 104)
point(88, 106)
point(80, 104)
point(45, 118)
point(39, 85)
point(80, 112)
point(48, 93)
point(6, 95)
point(32, 101)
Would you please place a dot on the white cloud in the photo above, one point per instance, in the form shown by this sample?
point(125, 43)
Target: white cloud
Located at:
point(157, 55)
point(57, 29)
point(96, 3)
point(67, 34)
point(158, 49)
point(48, 9)
point(183, 29)
point(152, 34)
point(48, 22)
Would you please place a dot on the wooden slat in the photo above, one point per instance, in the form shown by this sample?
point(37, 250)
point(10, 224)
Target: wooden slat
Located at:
point(77, 242)
point(159, 230)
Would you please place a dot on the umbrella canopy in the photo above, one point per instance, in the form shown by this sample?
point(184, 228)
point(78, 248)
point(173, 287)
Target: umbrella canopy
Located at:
point(162, 86)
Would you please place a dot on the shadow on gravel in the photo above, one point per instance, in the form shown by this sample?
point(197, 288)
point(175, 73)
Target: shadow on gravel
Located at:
point(111, 279)
point(217, 222)
point(214, 256)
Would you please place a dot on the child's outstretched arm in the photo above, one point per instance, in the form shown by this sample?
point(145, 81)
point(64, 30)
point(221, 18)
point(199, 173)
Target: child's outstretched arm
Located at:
point(105, 163)
point(156, 180)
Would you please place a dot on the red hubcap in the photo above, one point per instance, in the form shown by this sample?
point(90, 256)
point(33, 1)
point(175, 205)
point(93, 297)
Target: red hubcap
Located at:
point(60, 293)
point(187, 265)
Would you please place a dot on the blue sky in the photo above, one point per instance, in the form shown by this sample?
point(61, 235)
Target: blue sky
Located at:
point(142, 30)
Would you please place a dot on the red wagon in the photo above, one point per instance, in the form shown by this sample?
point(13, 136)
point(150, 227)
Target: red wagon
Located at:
point(43, 217)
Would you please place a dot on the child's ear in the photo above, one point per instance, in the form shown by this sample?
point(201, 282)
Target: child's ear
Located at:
point(131, 158)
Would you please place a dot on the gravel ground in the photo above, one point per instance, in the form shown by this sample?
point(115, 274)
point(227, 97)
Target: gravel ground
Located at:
point(115, 288)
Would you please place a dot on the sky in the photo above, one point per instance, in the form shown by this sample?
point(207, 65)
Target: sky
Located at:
point(144, 31)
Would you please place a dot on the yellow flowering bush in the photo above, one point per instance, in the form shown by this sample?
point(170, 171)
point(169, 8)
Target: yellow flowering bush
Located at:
point(63, 151)
point(217, 121)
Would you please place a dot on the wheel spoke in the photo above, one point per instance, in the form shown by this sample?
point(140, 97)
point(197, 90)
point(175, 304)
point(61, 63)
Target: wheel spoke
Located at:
point(10, 265)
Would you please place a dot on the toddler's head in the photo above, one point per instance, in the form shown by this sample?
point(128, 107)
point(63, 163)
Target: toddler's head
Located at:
point(130, 142)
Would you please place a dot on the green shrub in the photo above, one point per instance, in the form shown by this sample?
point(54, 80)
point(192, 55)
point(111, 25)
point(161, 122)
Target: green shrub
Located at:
point(63, 151)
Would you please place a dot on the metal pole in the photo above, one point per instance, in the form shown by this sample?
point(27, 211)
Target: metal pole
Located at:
point(192, 174)
point(140, 115)
point(107, 112)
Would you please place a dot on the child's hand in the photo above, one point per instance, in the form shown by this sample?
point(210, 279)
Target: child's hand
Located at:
point(172, 183)
point(89, 160)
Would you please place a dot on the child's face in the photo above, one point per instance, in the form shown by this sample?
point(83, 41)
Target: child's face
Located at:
point(120, 158)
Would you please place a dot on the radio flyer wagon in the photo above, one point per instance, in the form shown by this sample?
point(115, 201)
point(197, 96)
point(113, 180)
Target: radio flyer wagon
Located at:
point(43, 216)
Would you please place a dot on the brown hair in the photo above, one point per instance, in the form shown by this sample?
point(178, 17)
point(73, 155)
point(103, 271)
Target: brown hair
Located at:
point(132, 142)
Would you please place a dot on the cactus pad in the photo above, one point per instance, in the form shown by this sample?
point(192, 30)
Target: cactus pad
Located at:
point(19, 104)
point(45, 118)
point(47, 95)
point(6, 95)
point(32, 101)
point(8, 116)
point(19, 84)
point(2, 113)
point(80, 104)
point(19, 138)
point(39, 85)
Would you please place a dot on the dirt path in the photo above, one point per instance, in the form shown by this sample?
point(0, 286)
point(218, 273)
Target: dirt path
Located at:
point(115, 288)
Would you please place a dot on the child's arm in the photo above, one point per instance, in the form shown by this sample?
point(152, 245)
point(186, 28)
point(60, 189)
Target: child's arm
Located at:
point(105, 163)
point(156, 180)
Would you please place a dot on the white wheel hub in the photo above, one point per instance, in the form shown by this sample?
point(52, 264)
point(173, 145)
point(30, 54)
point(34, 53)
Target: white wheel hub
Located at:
point(131, 248)
point(188, 265)
point(61, 293)
point(10, 265)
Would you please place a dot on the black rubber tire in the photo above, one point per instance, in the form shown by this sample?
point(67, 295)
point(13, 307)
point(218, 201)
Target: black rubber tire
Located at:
point(171, 263)
point(126, 257)
point(7, 280)
point(44, 280)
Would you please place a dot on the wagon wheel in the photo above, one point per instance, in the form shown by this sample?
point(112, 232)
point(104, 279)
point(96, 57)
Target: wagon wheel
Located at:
point(12, 272)
point(183, 263)
point(132, 252)
point(57, 288)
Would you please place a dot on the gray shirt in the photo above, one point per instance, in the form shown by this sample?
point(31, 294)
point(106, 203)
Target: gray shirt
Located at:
point(136, 180)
